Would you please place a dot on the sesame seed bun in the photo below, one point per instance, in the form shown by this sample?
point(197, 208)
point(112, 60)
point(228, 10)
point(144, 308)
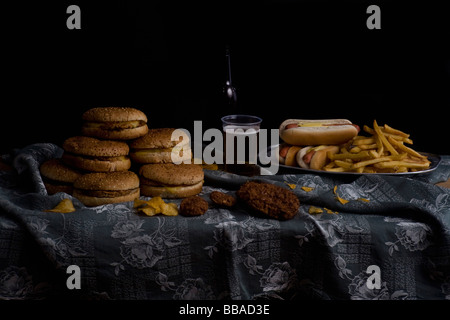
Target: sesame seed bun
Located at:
point(157, 146)
point(114, 123)
point(96, 155)
point(113, 114)
point(58, 177)
point(170, 180)
point(98, 188)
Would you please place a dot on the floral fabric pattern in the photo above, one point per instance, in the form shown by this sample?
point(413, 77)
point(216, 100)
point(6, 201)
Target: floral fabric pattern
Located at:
point(399, 224)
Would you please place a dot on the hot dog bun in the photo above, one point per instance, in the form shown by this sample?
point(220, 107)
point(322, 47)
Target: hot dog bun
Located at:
point(290, 159)
point(317, 132)
point(319, 159)
point(317, 156)
point(300, 155)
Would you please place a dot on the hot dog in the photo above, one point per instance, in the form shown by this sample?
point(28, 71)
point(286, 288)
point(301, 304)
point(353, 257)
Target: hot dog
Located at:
point(307, 157)
point(314, 157)
point(317, 132)
point(287, 154)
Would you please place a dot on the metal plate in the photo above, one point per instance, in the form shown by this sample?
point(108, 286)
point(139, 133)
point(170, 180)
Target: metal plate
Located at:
point(433, 158)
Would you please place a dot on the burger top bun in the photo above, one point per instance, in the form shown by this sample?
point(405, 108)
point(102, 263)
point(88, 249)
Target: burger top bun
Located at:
point(160, 138)
point(105, 114)
point(89, 146)
point(99, 188)
point(157, 146)
point(55, 170)
point(91, 154)
point(58, 177)
point(173, 174)
point(112, 181)
point(168, 180)
point(115, 123)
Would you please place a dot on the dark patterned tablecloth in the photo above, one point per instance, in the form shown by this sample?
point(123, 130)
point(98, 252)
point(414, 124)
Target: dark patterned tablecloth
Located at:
point(398, 225)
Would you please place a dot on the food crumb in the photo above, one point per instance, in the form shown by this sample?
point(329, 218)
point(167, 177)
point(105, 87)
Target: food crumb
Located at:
point(291, 185)
point(314, 210)
point(343, 201)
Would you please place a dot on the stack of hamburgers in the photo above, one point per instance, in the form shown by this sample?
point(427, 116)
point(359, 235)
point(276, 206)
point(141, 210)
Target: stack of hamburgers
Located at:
point(162, 153)
point(96, 167)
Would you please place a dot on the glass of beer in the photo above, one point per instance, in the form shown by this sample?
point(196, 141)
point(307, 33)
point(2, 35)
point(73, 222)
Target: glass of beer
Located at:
point(241, 140)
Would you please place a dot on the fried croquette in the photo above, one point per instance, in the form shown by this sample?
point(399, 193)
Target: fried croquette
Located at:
point(269, 199)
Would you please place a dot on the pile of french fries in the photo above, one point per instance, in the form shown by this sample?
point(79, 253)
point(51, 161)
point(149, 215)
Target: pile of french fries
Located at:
point(382, 152)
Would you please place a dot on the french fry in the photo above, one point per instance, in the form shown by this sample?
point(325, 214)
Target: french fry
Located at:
point(336, 169)
point(385, 142)
point(398, 138)
point(355, 150)
point(383, 152)
point(353, 156)
point(391, 132)
point(369, 130)
point(402, 147)
point(389, 129)
point(374, 154)
point(406, 164)
point(369, 162)
point(359, 142)
point(368, 146)
point(364, 141)
point(343, 164)
point(380, 149)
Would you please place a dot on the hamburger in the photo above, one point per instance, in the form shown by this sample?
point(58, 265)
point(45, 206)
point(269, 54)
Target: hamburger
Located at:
point(58, 177)
point(161, 145)
point(114, 123)
point(168, 180)
point(96, 155)
point(99, 188)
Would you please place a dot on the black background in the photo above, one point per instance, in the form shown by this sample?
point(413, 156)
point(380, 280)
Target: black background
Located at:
point(290, 59)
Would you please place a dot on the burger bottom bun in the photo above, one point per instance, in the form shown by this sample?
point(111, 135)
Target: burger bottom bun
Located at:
point(96, 165)
point(158, 157)
point(98, 201)
point(171, 192)
point(123, 134)
point(55, 188)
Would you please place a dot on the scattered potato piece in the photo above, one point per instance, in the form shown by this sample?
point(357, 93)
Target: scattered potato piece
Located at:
point(154, 206)
point(64, 206)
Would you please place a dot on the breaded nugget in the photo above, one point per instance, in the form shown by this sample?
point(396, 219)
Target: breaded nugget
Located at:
point(193, 206)
point(222, 199)
point(270, 199)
